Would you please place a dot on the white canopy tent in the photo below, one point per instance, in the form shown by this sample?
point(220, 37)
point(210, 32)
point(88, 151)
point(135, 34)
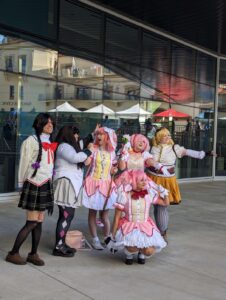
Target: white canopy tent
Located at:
point(65, 107)
point(134, 111)
point(100, 109)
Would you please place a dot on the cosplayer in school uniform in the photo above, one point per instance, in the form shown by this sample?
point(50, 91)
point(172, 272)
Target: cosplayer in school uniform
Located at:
point(166, 153)
point(133, 230)
point(99, 191)
point(68, 178)
point(135, 156)
point(35, 178)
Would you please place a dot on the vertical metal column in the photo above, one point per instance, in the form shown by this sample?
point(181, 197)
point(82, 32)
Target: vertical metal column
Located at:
point(215, 117)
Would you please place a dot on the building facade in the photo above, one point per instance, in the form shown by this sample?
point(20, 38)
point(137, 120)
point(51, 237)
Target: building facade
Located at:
point(72, 52)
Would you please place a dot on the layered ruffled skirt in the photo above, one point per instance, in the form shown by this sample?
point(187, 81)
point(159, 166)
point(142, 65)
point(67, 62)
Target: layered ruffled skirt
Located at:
point(140, 235)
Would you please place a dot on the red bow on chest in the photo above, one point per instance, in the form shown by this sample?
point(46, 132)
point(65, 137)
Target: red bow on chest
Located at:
point(48, 146)
point(138, 194)
point(51, 148)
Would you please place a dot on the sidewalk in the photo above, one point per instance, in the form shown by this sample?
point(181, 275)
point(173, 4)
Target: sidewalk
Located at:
point(192, 267)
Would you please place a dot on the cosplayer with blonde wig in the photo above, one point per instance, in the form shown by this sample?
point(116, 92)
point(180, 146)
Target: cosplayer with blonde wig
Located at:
point(165, 152)
point(99, 191)
point(133, 230)
point(160, 133)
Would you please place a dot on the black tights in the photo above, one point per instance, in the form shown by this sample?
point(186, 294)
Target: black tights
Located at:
point(30, 226)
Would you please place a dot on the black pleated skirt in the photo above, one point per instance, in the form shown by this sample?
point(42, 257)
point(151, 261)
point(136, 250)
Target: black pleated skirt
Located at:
point(37, 198)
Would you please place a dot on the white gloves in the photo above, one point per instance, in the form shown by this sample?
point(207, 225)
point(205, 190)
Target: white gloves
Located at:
point(195, 154)
point(162, 168)
point(163, 192)
point(124, 155)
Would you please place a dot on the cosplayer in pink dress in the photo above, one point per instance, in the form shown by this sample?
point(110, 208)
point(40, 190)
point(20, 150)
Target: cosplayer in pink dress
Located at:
point(99, 191)
point(133, 230)
point(136, 157)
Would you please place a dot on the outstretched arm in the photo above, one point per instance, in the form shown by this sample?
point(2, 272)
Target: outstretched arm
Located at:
point(198, 154)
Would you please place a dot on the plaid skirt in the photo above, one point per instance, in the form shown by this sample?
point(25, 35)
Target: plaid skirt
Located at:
point(37, 198)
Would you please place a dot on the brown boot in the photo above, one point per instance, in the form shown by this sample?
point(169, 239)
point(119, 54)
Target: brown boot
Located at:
point(35, 259)
point(15, 259)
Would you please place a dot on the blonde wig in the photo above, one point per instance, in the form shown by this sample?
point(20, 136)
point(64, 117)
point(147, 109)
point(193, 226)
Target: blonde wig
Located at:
point(160, 133)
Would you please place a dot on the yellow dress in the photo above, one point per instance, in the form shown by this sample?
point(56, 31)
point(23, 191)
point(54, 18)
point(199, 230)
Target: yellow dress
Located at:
point(165, 155)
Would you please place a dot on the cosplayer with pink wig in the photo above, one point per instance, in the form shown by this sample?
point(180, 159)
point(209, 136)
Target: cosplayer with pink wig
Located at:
point(133, 230)
point(99, 191)
point(109, 138)
point(137, 158)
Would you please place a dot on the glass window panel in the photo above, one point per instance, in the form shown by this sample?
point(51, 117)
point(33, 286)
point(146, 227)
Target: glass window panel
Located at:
point(205, 95)
point(221, 122)
point(155, 85)
point(206, 69)
point(156, 53)
point(27, 58)
point(122, 50)
point(81, 27)
point(181, 90)
point(82, 79)
point(31, 16)
point(183, 61)
point(119, 88)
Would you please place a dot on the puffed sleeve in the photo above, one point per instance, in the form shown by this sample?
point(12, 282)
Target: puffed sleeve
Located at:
point(26, 152)
point(121, 200)
point(156, 190)
point(124, 155)
point(146, 155)
point(68, 153)
point(180, 151)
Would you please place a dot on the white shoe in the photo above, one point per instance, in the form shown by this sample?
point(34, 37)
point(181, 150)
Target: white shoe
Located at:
point(97, 245)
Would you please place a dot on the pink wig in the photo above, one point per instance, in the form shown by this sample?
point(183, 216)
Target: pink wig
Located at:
point(137, 138)
point(110, 138)
point(136, 176)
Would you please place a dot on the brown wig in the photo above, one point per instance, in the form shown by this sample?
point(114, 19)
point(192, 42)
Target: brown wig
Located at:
point(66, 135)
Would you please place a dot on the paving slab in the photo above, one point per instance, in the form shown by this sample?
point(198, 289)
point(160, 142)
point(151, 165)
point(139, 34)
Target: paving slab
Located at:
point(192, 267)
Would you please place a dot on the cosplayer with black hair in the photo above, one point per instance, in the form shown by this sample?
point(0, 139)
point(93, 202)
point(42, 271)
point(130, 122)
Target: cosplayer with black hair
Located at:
point(35, 179)
point(68, 177)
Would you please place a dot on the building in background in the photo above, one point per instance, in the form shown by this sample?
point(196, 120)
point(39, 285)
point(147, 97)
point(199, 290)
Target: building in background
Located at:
point(86, 54)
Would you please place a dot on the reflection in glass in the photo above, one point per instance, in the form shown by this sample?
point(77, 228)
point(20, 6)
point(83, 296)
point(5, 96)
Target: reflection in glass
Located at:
point(221, 122)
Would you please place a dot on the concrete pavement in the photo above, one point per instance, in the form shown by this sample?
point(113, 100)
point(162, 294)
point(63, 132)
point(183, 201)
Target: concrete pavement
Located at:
point(192, 267)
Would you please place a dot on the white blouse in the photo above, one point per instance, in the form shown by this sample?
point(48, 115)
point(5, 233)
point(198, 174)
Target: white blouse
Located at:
point(29, 154)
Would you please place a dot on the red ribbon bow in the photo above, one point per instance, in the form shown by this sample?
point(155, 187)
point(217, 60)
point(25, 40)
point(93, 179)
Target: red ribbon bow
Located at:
point(48, 146)
point(139, 194)
point(51, 148)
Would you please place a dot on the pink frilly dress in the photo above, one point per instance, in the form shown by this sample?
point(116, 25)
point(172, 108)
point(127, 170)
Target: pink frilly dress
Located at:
point(136, 228)
point(134, 161)
point(99, 188)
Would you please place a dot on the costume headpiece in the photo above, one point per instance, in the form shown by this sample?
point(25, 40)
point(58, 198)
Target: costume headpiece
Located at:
point(112, 142)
